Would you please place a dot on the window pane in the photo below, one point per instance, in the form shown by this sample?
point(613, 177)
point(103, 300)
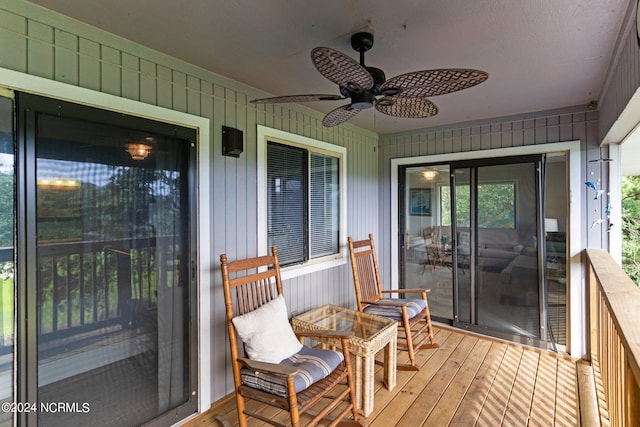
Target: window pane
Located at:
point(325, 205)
point(287, 201)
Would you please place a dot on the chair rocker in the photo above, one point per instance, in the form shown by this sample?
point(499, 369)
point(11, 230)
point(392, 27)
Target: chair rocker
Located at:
point(412, 314)
point(278, 370)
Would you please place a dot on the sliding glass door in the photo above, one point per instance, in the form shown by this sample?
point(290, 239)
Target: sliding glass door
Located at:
point(108, 208)
point(473, 232)
point(497, 215)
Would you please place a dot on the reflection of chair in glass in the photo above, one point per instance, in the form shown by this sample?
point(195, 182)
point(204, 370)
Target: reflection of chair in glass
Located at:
point(437, 249)
point(278, 370)
point(411, 313)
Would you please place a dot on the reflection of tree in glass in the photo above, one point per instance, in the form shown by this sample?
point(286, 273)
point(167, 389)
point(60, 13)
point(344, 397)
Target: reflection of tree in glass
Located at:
point(6, 210)
point(631, 227)
point(496, 205)
point(136, 202)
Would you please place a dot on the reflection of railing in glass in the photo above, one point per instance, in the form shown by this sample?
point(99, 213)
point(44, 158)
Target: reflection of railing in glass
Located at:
point(88, 285)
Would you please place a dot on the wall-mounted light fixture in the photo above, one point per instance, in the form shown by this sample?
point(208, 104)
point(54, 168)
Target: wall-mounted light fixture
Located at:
point(138, 151)
point(231, 142)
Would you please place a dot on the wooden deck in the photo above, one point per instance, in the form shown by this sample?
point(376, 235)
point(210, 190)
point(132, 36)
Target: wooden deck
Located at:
point(468, 381)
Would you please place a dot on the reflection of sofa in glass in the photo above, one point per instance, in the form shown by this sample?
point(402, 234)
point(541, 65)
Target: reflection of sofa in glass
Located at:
point(519, 280)
point(497, 248)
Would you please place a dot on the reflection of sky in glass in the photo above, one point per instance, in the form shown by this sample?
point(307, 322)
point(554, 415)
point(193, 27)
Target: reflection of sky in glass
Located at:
point(6, 163)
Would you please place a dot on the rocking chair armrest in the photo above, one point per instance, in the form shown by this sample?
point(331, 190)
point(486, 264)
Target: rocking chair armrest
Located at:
point(324, 334)
point(269, 368)
point(387, 303)
point(405, 291)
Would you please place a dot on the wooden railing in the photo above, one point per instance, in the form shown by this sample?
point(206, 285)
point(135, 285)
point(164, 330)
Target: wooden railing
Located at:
point(614, 319)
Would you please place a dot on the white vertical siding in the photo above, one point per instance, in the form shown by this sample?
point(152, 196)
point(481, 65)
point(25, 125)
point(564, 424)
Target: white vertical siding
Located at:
point(41, 43)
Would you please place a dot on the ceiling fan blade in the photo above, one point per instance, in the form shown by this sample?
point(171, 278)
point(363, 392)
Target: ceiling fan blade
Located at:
point(339, 115)
point(419, 84)
point(297, 98)
point(341, 69)
point(412, 108)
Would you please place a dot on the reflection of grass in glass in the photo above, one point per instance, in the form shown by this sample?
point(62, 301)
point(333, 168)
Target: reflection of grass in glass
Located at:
point(6, 307)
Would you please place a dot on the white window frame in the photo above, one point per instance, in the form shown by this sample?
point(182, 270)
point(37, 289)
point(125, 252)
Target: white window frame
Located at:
point(266, 134)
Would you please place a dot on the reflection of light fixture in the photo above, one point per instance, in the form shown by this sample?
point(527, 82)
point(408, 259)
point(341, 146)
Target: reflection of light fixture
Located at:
point(138, 151)
point(429, 174)
point(57, 183)
point(551, 225)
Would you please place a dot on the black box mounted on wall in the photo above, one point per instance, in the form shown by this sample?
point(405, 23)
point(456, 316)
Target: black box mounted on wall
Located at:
point(231, 142)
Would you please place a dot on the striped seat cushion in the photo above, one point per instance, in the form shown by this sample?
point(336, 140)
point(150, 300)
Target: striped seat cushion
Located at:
point(313, 364)
point(414, 307)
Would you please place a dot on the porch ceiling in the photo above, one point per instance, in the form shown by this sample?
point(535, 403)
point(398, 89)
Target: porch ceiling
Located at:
point(540, 54)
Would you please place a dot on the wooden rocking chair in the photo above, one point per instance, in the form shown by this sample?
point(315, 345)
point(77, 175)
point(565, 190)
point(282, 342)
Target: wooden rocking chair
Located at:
point(412, 314)
point(279, 371)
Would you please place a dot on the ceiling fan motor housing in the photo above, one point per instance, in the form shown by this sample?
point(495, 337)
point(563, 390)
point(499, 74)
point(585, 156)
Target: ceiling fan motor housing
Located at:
point(362, 100)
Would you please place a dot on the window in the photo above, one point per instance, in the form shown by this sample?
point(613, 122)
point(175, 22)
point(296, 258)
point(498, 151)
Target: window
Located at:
point(304, 197)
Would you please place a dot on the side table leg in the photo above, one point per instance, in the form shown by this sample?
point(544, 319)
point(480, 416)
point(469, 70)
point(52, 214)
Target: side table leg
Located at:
point(358, 381)
point(367, 384)
point(390, 354)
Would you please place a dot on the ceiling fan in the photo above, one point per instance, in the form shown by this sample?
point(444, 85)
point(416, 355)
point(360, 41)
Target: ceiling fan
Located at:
point(401, 96)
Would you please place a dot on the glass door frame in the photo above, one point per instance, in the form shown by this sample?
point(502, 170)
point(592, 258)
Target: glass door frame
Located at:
point(26, 278)
point(539, 218)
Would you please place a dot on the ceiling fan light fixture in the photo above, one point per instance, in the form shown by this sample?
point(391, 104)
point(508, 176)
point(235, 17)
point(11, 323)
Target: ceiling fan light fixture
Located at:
point(362, 101)
point(429, 174)
point(138, 151)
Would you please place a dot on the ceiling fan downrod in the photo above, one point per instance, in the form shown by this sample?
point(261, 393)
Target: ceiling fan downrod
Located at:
point(362, 42)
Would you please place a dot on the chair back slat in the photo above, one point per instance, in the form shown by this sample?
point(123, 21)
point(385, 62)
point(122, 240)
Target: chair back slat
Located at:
point(366, 278)
point(256, 281)
point(252, 295)
point(364, 265)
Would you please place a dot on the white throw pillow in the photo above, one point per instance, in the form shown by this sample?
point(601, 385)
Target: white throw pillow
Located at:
point(266, 332)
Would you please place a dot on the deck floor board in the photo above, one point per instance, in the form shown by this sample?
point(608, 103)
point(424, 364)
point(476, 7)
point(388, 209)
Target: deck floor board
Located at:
point(469, 381)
